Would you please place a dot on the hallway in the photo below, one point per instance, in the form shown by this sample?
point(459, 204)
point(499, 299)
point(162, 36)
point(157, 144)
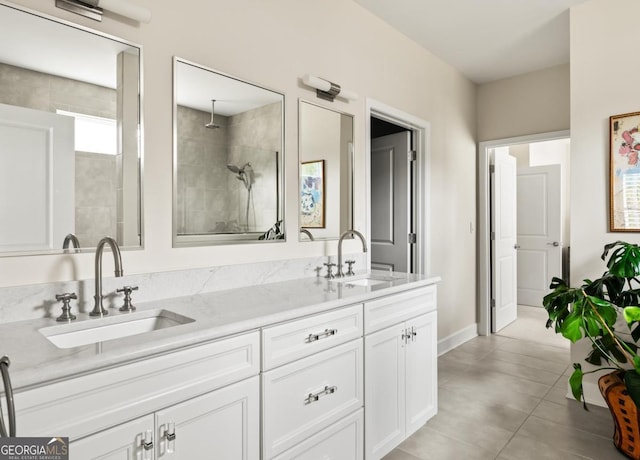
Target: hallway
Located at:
point(503, 397)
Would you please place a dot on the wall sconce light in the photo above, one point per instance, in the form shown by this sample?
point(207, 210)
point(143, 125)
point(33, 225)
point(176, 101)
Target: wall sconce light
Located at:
point(93, 9)
point(328, 90)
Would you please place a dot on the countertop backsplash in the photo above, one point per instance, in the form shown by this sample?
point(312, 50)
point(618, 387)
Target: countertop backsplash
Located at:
point(19, 303)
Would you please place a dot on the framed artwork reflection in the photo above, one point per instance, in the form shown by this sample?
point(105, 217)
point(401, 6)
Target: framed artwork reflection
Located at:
point(624, 195)
point(312, 194)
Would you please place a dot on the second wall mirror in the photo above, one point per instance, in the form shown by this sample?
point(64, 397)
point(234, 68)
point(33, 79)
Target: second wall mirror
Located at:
point(326, 172)
point(228, 159)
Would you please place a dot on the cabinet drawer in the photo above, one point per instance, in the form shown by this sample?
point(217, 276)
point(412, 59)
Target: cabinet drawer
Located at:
point(397, 308)
point(89, 403)
point(343, 439)
point(306, 396)
point(297, 339)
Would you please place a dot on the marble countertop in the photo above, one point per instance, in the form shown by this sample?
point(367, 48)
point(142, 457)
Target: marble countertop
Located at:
point(35, 361)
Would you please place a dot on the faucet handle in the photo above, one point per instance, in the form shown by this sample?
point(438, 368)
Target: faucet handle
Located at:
point(66, 308)
point(127, 306)
point(350, 271)
point(329, 274)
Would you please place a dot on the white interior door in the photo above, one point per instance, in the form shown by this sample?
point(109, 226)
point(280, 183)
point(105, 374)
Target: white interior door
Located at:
point(390, 191)
point(37, 178)
point(503, 242)
point(539, 231)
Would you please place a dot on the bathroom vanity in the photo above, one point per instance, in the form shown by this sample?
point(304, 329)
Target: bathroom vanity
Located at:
point(299, 369)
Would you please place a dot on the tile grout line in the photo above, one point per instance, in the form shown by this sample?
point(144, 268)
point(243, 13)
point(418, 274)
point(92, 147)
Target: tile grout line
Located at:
point(542, 398)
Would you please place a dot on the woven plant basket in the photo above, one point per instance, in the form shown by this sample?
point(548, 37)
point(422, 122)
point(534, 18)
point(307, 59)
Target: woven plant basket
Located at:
point(626, 435)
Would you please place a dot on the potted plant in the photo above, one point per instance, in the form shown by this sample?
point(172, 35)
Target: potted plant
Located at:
point(591, 312)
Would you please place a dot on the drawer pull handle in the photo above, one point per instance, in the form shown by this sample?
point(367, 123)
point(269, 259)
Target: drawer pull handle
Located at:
point(327, 390)
point(326, 333)
point(170, 436)
point(147, 444)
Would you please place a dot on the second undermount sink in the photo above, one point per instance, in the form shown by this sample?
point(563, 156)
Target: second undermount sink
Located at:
point(370, 279)
point(365, 281)
point(111, 328)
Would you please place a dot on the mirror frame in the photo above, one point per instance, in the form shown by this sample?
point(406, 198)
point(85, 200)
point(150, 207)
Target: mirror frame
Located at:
point(139, 141)
point(351, 177)
point(199, 240)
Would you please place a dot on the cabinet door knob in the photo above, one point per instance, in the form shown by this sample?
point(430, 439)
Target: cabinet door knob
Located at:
point(147, 444)
point(170, 436)
point(405, 336)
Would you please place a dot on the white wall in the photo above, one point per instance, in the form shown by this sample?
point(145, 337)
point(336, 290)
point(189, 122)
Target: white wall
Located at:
point(521, 153)
point(533, 103)
point(274, 43)
point(603, 82)
point(603, 79)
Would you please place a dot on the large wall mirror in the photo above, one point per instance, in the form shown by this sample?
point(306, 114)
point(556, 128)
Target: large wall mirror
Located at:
point(326, 172)
point(228, 159)
point(70, 153)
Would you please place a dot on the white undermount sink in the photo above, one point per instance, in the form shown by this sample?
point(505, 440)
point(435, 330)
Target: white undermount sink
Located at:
point(366, 280)
point(111, 328)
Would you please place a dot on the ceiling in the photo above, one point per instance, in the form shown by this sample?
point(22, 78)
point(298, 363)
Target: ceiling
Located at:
point(196, 86)
point(485, 40)
point(51, 47)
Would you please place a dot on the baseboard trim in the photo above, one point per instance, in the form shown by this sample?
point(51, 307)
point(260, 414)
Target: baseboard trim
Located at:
point(457, 338)
point(591, 394)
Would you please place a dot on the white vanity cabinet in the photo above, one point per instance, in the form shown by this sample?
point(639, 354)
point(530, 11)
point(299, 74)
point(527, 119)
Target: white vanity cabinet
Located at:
point(207, 396)
point(350, 383)
point(312, 387)
point(400, 368)
point(225, 423)
point(123, 442)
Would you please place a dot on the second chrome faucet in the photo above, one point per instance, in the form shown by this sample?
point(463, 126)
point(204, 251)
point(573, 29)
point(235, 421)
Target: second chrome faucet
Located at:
point(98, 309)
point(342, 237)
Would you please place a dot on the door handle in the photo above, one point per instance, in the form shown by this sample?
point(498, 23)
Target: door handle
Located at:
point(554, 244)
point(516, 246)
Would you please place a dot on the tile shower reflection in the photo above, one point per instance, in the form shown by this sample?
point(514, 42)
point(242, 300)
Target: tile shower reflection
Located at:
point(228, 159)
point(60, 86)
point(212, 197)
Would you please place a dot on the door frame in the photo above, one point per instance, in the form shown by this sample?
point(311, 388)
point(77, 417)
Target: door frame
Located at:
point(421, 133)
point(484, 218)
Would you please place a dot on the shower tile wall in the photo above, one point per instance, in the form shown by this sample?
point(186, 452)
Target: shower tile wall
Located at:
point(210, 198)
point(95, 210)
point(255, 136)
point(46, 92)
point(202, 172)
point(96, 197)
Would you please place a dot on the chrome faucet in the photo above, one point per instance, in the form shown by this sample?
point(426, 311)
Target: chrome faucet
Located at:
point(98, 310)
point(344, 234)
point(71, 239)
point(308, 233)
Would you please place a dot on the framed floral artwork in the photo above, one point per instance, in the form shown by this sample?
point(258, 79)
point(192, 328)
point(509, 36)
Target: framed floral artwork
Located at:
point(312, 198)
point(624, 196)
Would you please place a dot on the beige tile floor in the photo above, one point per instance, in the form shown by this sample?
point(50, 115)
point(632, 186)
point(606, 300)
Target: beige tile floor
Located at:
point(503, 397)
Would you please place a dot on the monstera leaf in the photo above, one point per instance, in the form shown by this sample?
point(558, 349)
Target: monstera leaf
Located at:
point(624, 260)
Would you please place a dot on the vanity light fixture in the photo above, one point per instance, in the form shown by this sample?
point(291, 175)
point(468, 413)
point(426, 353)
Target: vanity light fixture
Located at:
point(328, 90)
point(93, 9)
